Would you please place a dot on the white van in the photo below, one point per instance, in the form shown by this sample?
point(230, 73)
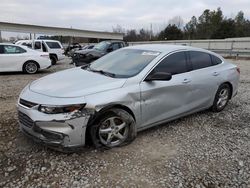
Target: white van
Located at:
point(53, 47)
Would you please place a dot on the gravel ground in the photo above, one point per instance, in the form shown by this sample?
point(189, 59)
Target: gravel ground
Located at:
point(202, 150)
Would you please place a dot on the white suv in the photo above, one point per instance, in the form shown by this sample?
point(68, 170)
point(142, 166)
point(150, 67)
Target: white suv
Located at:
point(53, 47)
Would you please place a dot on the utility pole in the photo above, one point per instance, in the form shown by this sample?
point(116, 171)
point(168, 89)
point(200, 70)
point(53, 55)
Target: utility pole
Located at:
point(151, 31)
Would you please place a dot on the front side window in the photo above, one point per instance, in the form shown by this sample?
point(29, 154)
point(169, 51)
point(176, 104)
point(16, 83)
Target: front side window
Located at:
point(53, 45)
point(38, 45)
point(1, 49)
point(124, 63)
point(8, 49)
point(175, 64)
point(200, 60)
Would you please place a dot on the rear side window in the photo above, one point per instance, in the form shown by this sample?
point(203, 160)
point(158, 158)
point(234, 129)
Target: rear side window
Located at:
point(174, 64)
point(115, 46)
point(8, 49)
point(121, 45)
point(200, 60)
point(216, 60)
point(53, 45)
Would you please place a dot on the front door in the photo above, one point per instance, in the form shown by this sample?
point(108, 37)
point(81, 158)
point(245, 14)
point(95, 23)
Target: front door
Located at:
point(162, 100)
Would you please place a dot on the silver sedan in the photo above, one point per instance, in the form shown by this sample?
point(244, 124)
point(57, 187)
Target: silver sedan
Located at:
point(126, 91)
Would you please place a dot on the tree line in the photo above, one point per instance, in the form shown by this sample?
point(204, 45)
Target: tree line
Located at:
point(209, 25)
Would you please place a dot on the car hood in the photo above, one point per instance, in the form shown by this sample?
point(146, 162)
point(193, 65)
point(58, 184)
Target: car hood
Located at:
point(74, 82)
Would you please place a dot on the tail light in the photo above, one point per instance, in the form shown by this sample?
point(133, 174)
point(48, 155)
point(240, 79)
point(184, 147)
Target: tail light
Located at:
point(238, 70)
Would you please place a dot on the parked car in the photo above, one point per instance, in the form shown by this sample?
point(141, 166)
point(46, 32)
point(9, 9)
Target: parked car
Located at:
point(88, 55)
point(20, 58)
point(53, 47)
point(124, 92)
point(72, 47)
point(72, 51)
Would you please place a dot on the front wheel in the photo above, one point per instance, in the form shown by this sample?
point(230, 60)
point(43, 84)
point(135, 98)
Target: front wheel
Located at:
point(116, 127)
point(30, 67)
point(221, 98)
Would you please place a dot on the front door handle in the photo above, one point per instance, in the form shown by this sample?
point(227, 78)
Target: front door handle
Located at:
point(185, 81)
point(216, 74)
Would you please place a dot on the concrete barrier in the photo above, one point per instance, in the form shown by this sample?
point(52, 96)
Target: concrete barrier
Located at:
point(231, 47)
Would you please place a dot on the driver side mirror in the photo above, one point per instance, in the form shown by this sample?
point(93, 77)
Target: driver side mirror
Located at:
point(162, 76)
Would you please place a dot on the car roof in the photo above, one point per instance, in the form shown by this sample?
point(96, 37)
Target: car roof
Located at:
point(38, 40)
point(164, 48)
point(5, 43)
point(112, 41)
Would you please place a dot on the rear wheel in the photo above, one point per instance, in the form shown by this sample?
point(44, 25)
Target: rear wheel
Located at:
point(53, 59)
point(30, 67)
point(115, 128)
point(221, 98)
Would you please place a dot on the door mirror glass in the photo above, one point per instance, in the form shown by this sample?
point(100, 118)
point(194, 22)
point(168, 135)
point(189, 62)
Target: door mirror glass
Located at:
point(159, 76)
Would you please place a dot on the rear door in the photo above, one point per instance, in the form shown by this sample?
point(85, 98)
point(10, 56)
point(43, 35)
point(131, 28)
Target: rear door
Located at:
point(161, 100)
point(205, 78)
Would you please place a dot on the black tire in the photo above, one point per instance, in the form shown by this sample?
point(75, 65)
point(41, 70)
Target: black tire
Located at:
point(222, 98)
point(100, 138)
point(30, 67)
point(53, 59)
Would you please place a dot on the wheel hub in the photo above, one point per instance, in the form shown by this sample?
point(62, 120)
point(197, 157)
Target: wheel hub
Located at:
point(113, 131)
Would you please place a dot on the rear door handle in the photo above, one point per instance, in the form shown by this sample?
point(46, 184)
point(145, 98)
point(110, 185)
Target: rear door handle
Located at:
point(185, 81)
point(216, 74)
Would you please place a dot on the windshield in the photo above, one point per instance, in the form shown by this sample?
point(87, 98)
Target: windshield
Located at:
point(124, 63)
point(102, 45)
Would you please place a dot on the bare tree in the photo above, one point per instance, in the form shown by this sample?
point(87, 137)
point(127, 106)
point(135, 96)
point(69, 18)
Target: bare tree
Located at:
point(177, 21)
point(118, 29)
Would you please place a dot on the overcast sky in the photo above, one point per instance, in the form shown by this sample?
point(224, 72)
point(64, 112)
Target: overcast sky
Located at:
point(104, 14)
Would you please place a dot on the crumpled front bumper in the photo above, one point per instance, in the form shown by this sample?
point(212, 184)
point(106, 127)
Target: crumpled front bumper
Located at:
point(59, 131)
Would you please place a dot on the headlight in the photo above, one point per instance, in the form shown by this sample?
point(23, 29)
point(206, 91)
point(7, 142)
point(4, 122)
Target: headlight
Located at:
point(47, 109)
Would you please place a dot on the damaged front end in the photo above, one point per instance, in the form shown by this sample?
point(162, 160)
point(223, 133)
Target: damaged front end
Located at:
point(58, 129)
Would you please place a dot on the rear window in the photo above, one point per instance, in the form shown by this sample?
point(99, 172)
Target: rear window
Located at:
point(200, 60)
point(53, 45)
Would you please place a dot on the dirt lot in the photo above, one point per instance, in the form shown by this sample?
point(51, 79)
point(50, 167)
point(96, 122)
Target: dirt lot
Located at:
point(202, 150)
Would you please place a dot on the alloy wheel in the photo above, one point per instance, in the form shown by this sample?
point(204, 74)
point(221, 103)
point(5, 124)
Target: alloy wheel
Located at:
point(223, 98)
point(31, 68)
point(113, 131)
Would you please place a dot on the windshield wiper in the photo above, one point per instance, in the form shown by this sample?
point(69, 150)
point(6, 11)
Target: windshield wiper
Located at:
point(103, 72)
point(87, 67)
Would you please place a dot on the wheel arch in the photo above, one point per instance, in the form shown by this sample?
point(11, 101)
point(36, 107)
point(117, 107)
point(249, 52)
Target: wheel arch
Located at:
point(231, 88)
point(104, 109)
point(53, 54)
point(99, 114)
